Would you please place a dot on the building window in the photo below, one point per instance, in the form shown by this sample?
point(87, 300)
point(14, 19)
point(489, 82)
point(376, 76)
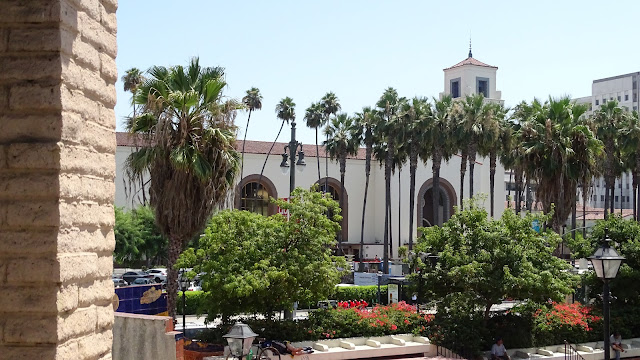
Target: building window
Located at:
point(619, 98)
point(597, 102)
point(601, 197)
point(627, 199)
point(595, 197)
point(619, 185)
point(455, 89)
point(616, 198)
point(483, 87)
point(626, 97)
point(627, 185)
point(255, 198)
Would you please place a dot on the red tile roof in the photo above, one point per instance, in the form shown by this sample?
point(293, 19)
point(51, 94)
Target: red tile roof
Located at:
point(252, 147)
point(471, 61)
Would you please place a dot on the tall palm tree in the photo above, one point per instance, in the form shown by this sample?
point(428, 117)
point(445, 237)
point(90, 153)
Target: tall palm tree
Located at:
point(314, 117)
point(343, 137)
point(388, 107)
point(631, 145)
point(439, 146)
point(131, 81)
point(558, 150)
point(330, 106)
point(252, 101)
point(473, 124)
point(285, 111)
point(190, 153)
point(366, 119)
point(415, 115)
point(461, 138)
point(608, 121)
point(489, 144)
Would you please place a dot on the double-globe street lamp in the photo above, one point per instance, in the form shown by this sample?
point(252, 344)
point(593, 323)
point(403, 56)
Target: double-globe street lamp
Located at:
point(292, 148)
point(606, 262)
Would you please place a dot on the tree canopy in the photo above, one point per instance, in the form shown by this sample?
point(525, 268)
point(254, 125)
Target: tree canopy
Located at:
point(483, 261)
point(257, 264)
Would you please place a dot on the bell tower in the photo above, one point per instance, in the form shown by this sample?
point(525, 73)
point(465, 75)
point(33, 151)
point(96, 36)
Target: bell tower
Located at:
point(471, 76)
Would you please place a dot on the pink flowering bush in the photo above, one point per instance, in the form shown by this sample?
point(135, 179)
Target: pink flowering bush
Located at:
point(397, 318)
point(557, 322)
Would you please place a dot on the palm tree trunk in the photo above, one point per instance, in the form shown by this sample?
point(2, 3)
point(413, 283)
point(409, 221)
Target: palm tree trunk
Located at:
point(573, 214)
point(269, 153)
point(175, 247)
point(613, 192)
point(390, 231)
point(621, 195)
point(463, 170)
point(584, 210)
point(387, 200)
point(529, 200)
point(472, 164)
point(326, 166)
point(343, 169)
point(244, 141)
point(367, 171)
point(413, 165)
point(435, 192)
point(318, 155)
point(518, 197)
point(492, 178)
point(606, 196)
point(399, 206)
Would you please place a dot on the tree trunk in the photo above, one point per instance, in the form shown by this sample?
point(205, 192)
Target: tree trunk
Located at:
point(244, 141)
point(529, 200)
point(621, 195)
point(435, 192)
point(573, 215)
point(606, 196)
point(492, 178)
point(463, 170)
point(518, 197)
point(584, 211)
point(343, 169)
point(367, 172)
point(387, 201)
point(175, 248)
point(612, 197)
point(318, 155)
point(326, 166)
point(472, 164)
point(390, 231)
point(413, 165)
point(269, 153)
point(399, 207)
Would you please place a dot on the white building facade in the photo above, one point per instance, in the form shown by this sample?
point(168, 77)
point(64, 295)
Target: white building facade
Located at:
point(253, 190)
point(624, 90)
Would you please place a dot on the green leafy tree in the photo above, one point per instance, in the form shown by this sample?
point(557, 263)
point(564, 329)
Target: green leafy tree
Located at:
point(252, 101)
point(257, 264)
point(631, 146)
point(483, 261)
point(189, 152)
point(138, 237)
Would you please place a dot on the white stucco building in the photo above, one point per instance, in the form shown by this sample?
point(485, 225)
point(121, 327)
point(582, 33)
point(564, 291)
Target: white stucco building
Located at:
point(252, 190)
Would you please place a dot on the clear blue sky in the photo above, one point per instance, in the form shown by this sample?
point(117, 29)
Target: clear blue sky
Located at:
point(356, 49)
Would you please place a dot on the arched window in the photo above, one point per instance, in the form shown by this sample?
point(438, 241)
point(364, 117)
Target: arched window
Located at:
point(255, 198)
point(253, 193)
point(446, 202)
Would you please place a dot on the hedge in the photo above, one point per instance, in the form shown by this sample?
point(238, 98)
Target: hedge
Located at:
point(340, 293)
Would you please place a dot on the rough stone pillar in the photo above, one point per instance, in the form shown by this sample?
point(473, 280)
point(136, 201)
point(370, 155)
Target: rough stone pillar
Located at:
point(57, 166)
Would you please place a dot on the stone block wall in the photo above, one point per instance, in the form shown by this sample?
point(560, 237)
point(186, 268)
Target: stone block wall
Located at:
point(57, 167)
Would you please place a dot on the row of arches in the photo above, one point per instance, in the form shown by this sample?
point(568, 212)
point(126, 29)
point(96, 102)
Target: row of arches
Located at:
point(253, 193)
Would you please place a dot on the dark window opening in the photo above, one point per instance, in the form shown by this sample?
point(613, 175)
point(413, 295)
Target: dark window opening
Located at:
point(483, 88)
point(455, 89)
point(597, 102)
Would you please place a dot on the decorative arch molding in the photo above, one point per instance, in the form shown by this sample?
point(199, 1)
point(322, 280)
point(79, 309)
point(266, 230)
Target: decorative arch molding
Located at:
point(266, 183)
point(450, 199)
point(335, 183)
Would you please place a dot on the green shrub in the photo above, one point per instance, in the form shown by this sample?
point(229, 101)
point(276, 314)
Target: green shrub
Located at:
point(193, 300)
point(368, 293)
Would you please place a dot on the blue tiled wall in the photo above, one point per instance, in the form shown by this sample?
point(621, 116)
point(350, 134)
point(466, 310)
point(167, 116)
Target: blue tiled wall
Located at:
point(130, 297)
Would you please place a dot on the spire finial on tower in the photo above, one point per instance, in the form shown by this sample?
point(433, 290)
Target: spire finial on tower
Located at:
point(470, 55)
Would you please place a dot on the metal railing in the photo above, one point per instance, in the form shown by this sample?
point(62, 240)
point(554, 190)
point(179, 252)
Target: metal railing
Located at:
point(447, 353)
point(571, 352)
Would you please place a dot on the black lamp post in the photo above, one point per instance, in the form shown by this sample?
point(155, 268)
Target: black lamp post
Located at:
point(606, 262)
point(429, 258)
point(184, 285)
point(240, 339)
point(285, 165)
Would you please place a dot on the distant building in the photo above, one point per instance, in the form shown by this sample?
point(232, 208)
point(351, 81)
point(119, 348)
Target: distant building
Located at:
point(253, 191)
point(623, 89)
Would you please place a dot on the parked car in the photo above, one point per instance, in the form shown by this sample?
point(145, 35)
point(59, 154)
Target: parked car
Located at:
point(143, 281)
point(118, 282)
point(195, 286)
point(159, 274)
point(131, 276)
